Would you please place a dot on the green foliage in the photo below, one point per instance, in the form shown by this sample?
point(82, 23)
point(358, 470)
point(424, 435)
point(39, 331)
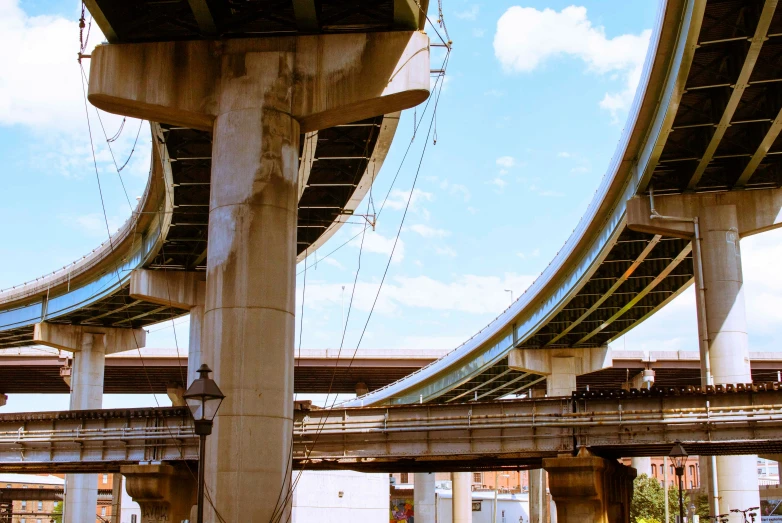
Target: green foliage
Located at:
point(702, 506)
point(57, 512)
point(648, 504)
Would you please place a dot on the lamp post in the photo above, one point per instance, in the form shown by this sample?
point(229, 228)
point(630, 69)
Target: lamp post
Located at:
point(679, 456)
point(204, 398)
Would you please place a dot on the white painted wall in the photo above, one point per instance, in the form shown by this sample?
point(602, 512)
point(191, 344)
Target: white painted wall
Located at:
point(365, 497)
point(515, 507)
point(129, 507)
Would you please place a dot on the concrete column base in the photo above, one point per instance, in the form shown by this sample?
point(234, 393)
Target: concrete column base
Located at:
point(164, 493)
point(588, 489)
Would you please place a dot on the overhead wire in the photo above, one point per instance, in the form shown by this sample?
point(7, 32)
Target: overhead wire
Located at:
point(319, 429)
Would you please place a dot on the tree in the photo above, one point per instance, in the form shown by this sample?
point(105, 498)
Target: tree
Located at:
point(57, 512)
point(649, 501)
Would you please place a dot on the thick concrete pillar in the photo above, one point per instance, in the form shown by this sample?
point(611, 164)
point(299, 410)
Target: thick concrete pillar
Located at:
point(728, 341)
point(164, 493)
point(461, 501)
point(256, 96)
point(194, 354)
point(588, 489)
point(642, 465)
point(116, 498)
point(89, 346)
point(249, 319)
point(424, 497)
point(562, 380)
point(81, 490)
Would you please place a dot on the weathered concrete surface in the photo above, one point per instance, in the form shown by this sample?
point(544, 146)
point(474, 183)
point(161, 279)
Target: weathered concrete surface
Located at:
point(588, 489)
point(560, 366)
point(164, 493)
point(759, 210)
point(723, 219)
point(424, 497)
point(70, 337)
point(86, 393)
point(185, 290)
point(257, 96)
point(642, 465)
point(337, 78)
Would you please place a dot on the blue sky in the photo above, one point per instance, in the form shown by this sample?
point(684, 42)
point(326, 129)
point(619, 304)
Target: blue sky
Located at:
point(535, 98)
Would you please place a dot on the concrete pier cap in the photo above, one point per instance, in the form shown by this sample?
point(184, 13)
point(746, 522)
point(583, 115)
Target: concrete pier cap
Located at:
point(337, 79)
point(560, 366)
point(70, 338)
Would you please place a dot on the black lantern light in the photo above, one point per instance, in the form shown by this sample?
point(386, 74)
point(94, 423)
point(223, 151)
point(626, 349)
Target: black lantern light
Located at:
point(679, 457)
point(203, 397)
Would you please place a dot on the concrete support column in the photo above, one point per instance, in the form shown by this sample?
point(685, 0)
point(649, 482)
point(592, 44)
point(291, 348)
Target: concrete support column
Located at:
point(194, 351)
point(728, 341)
point(461, 501)
point(539, 510)
point(89, 346)
point(424, 497)
point(81, 490)
point(116, 498)
point(588, 489)
point(164, 493)
point(249, 317)
point(642, 465)
point(3, 400)
point(562, 380)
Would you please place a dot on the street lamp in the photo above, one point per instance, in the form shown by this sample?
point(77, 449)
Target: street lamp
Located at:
point(204, 398)
point(679, 456)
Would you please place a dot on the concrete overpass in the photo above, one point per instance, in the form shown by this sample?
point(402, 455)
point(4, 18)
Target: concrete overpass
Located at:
point(270, 120)
point(40, 370)
point(702, 136)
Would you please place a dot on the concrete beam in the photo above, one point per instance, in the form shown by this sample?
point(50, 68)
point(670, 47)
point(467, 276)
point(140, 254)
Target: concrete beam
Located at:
point(172, 288)
point(69, 337)
point(549, 361)
point(337, 78)
point(758, 210)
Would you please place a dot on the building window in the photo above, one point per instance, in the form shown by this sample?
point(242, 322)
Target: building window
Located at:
point(133, 518)
point(477, 477)
point(405, 477)
point(105, 479)
point(692, 471)
point(654, 470)
point(103, 511)
point(672, 471)
point(40, 505)
point(24, 505)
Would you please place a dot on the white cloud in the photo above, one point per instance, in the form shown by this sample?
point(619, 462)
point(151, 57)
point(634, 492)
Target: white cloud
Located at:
point(397, 200)
point(429, 232)
point(42, 91)
point(499, 182)
point(496, 93)
point(94, 224)
point(375, 242)
point(455, 189)
point(506, 161)
point(563, 154)
point(468, 293)
point(469, 14)
point(445, 251)
point(580, 169)
point(333, 263)
point(527, 37)
point(478, 33)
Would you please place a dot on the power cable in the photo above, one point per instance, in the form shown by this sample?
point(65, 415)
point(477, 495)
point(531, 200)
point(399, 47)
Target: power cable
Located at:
point(320, 427)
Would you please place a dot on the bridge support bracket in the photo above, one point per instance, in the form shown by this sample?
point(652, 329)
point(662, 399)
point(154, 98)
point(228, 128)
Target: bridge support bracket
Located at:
point(590, 489)
point(164, 492)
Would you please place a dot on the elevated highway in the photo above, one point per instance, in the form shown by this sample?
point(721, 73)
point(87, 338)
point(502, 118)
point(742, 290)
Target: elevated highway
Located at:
point(509, 434)
point(704, 126)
